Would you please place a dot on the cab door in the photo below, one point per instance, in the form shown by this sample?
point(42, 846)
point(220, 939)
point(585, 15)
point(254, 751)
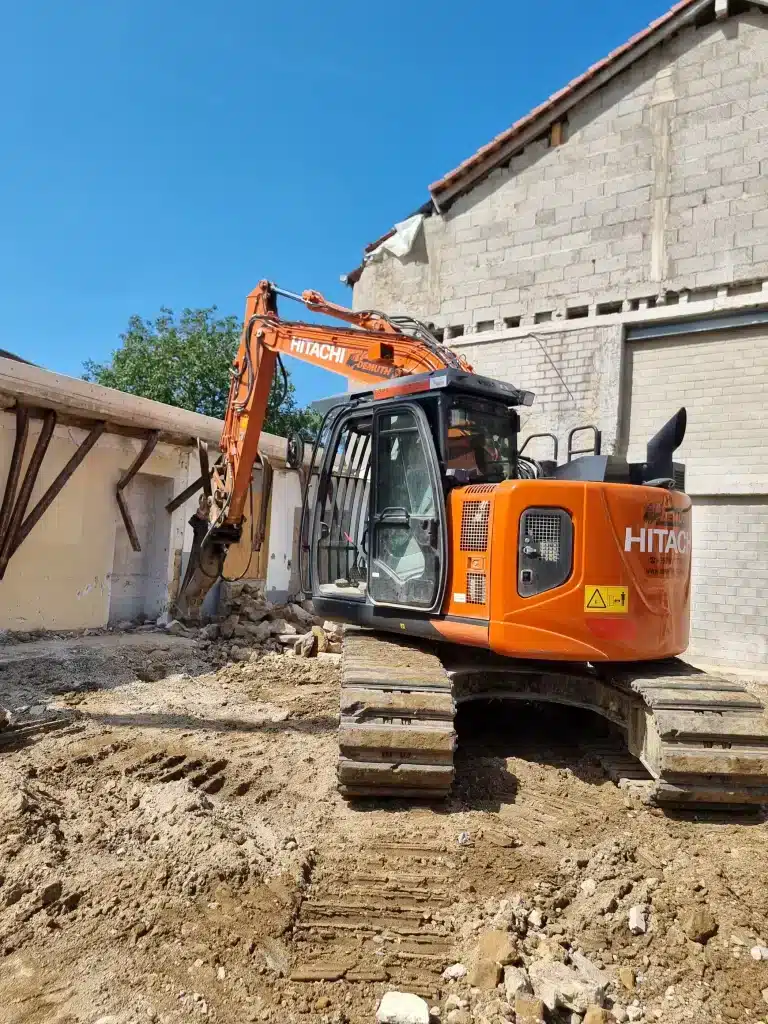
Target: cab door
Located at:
point(407, 562)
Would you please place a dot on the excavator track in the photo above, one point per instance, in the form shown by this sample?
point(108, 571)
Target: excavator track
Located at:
point(702, 738)
point(396, 735)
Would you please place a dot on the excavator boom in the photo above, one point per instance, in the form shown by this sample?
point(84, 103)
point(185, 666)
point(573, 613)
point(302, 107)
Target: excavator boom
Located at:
point(373, 347)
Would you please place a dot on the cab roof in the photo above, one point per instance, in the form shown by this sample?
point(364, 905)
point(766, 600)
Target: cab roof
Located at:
point(458, 381)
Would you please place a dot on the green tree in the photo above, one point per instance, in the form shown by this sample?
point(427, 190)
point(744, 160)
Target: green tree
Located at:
point(185, 362)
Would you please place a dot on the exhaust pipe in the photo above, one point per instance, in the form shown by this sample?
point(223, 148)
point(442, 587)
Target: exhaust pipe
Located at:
point(659, 469)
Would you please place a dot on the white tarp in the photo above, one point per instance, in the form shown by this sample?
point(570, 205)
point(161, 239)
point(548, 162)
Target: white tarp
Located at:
point(401, 243)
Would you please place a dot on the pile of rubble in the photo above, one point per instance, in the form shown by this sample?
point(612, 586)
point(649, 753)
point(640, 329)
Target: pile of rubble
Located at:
point(616, 935)
point(247, 622)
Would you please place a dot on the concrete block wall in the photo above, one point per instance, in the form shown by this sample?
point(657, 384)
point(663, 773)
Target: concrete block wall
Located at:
point(724, 450)
point(730, 580)
point(574, 374)
point(661, 184)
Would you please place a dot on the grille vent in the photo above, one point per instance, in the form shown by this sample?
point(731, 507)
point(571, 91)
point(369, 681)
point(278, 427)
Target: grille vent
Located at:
point(481, 489)
point(545, 550)
point(474, 525)
point(476, 588)
point(544, 533)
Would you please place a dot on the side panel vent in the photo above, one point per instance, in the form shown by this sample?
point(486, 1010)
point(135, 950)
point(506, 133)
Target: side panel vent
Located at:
point(475, 516)
point(545, 550)
point(544, 531)
point(476, 593)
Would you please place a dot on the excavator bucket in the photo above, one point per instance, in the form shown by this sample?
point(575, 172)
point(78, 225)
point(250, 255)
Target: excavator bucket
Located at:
point(206, 561)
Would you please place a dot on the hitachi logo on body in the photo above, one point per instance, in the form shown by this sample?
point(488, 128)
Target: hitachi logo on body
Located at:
point(655, 540)
point(330, 353)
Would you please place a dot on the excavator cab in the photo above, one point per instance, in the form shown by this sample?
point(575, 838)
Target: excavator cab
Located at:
point(374, 525)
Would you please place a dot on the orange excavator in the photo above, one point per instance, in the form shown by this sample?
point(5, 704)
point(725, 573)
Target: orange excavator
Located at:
point(467, 569)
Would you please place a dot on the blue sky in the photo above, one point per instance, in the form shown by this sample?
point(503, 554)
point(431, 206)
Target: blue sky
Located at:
point(175, 153)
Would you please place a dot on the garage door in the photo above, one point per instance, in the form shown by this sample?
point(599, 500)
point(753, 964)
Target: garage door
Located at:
point(721, 376)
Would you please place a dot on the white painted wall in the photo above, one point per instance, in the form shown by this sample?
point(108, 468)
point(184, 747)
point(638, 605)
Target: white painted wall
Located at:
point(61, 576)
point(139, 579)
point(282, 570)
point(76, 569)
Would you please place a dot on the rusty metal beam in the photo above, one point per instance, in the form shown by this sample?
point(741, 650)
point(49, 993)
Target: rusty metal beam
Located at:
point(203, 481)
point(184, 495)
point(14, 470)
point(53, 491)
point(260, 527)
point(125, 479)
point(27, 485)
point(205, 470)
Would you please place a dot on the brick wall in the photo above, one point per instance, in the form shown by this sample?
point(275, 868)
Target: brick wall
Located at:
point(722, 378)
point(730, 579)
point(662, 183)
point(573, 373)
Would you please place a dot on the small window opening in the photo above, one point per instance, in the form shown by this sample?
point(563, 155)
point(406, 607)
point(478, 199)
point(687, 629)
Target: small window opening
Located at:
point(577, 313)
point(608, 308)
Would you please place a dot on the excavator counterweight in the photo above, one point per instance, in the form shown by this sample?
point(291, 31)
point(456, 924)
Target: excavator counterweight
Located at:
point(467, 569)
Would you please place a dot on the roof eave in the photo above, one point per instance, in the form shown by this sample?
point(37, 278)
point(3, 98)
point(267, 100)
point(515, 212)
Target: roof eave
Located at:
point(447, 189)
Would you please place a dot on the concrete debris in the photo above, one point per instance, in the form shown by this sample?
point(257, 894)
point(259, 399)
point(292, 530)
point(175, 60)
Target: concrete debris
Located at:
point(561, 986)
point(459, 1017)
point(454, 1002)
point(286, 638)
point(528, 1010)
point(637, 919)
point(536, 919)
point(589, 970)
point(606, 904)
point(262, 632)
point(516, 981)
point(464, 839)
point(764, 994)
point(176, 628)
point(402, 1008)
point(699, 924)
point(227, 627)
point(282, 626)
point(301, 615)
point(634, 1012)
point(759, 952)
point(322, 642)
point(589, 887)
point(628, 978)
point(304, 647)
point(595, 1015)
point(454, 972)
point(497, 946)
point(485, 975)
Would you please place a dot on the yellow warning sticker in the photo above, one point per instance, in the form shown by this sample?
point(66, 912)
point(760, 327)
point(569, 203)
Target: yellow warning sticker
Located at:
point(608, 600)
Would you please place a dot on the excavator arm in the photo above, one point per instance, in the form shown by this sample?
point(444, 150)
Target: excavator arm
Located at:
point(369, 348)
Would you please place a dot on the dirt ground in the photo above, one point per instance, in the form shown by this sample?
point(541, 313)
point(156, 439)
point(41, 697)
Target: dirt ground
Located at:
point(178, 851)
